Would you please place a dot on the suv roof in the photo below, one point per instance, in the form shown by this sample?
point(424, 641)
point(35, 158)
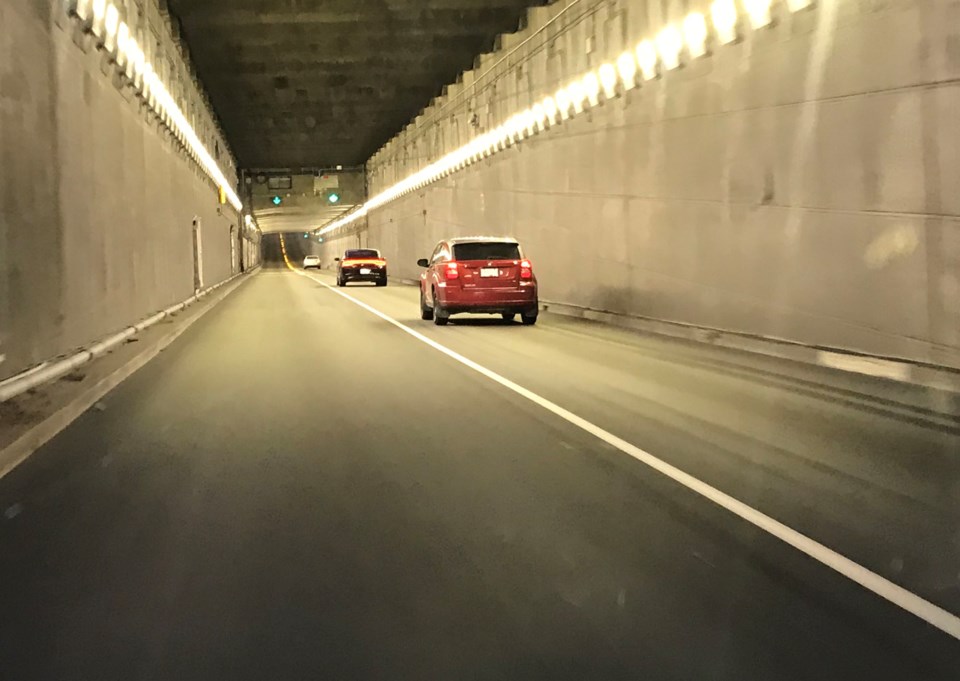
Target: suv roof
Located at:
point(483, 239)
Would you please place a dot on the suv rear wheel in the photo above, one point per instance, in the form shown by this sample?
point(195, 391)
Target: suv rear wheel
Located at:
point(426, 313)
point(440, 317)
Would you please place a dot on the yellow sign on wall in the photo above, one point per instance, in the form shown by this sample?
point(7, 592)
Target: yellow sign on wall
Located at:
point(223, 196)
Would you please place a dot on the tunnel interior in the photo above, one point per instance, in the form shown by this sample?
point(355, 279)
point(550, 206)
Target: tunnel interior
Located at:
point(479, 339)
point(321, 83)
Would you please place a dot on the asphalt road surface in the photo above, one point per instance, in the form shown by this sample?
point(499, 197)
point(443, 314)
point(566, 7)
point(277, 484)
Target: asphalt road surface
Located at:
point(298, 489)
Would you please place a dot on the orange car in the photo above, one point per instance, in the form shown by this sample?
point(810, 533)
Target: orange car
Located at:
point(361, 264)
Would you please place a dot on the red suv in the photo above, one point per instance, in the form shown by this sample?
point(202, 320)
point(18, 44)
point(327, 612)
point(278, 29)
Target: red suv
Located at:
point(478, 274)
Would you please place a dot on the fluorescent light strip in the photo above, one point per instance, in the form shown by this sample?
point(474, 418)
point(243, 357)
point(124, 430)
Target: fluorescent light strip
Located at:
point(724, 16)
point(102, 18)
point(695, 34)
point(669, 44)
point(687, 40)
point(759, 12)
point(647, 59)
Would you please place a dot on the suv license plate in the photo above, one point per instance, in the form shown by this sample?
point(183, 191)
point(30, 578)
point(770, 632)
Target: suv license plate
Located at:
point(364, 270)
point(489, 272)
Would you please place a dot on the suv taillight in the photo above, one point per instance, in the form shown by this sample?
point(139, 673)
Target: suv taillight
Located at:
point(526, 269)
point(453, 270)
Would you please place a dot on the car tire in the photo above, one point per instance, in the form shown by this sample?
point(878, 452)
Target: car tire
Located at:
point(439, 318)
point(508, 316)
point(426, 313)
point(528, 319)
point(341, 282)
point(382, 281)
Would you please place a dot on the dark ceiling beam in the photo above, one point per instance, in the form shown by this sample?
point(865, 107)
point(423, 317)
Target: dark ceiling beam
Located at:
point(348, 46)
point(320, 82)
point(337, 13)
point(298, 25)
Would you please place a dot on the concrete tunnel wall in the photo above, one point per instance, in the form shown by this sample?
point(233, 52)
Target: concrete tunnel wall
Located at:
point(98, 199)
point(801, 184)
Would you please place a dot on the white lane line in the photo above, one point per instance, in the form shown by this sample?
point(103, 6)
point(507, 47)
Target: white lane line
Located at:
point(909, 601)
point(871, 366)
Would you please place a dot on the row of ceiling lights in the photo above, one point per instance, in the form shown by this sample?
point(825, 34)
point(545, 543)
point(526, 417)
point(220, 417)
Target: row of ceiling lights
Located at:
point(102, 19)
point(666, 51)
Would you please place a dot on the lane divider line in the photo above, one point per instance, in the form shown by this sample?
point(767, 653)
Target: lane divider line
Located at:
point(929, 612)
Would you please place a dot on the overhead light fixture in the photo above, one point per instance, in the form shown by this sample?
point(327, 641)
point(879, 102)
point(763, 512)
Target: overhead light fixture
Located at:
point(550, 108)
point(608, 80)
point(123, 50)
point(539, 116)
point(723, 13)
point(669, 44)
point(577, 94)
point(562, 98)
point(103, 20)
point(111, 23)
point(627, 68)
point(695, 34)
point(82, 9)
point(136, 63)
point(591, 88)
point(96, 21)
point(759, 12)
point(647, 59)
point(797, 5)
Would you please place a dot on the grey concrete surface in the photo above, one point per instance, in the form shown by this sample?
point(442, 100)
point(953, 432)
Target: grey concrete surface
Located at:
point(326, 82)
point(332, 499)
point(797, 185)
point(30, 418)
point(97, 202)
point(823, 444)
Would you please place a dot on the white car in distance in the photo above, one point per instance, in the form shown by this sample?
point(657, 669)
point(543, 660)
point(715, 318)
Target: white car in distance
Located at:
point(311, 261)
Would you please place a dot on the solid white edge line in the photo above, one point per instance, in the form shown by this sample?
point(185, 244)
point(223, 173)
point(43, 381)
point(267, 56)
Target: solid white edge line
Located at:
point(933, 614)
point(870, 366)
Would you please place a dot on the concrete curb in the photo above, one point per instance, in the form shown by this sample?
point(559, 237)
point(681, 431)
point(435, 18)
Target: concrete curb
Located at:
point(20, 449)
point(903, 371)
point(50, 371)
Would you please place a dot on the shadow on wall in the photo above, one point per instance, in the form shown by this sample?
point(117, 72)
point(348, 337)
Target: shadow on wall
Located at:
point(617, 299)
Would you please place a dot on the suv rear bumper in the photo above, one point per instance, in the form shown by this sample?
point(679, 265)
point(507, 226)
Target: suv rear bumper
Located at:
point(524, 309)
point(490, 301)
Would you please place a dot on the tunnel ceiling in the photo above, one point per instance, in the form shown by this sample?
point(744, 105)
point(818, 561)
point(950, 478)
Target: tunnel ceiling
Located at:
point(308, 83)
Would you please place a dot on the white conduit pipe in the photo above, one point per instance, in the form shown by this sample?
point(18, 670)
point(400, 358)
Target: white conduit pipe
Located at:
point(51, 371)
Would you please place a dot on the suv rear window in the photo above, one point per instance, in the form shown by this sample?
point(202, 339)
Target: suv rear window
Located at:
point(486, 250)
point(361, 253)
